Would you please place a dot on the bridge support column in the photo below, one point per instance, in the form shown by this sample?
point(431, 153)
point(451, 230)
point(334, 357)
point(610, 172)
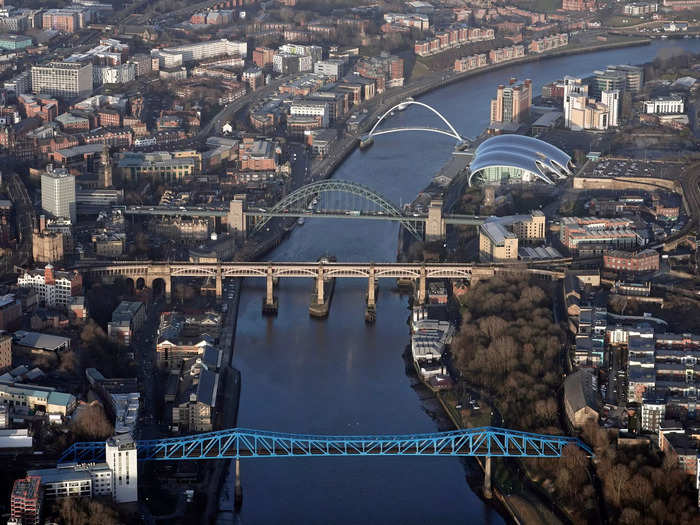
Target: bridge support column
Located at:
point(371, 284)
point(488, 492)
point(421, 285)
point(269, 301)
point(435, 225)
point(219, 284)
point(168, 287)
point(319, 286)
point(238, 488)
point(371, 310)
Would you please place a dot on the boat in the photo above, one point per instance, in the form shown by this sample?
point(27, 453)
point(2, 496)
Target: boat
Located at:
point(300, 221)
point(403, 105)
point(366, 141)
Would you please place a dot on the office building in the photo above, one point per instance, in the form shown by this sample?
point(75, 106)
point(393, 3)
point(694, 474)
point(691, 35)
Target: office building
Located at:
point(26, 500)
point(596, 235)
point(58, 193)
point(310, 108)
point(127, 319)
point(496, 243)
point(611, 100)
point(47, 246)
point(171, 57)
point(621, 78)
point(168, 166)
point(512, 103)
point(14, 42)
point(664, 105)
point(640, 8)
point(74, 480)
point(32, 397)
point(6, 345)
point(333, 67)
point(196, 411)
point(644, 261)
point(19, 84)
point(10, 314)
point(121, 455)
point(582, 112)
point(63, 79)
point(53, 288)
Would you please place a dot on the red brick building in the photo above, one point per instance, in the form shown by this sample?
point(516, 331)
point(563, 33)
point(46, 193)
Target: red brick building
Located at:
point(644, 261)
point(25, 501)
point(262, 56)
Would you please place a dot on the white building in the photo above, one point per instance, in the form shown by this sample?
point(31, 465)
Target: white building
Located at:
point(53, 288)
point(120, 74)
point(333, 67)
point(170, 57)
point(612, 100)
point(74, 480)
point(664, 105)
point(58, 193)
point(121, 456)
point(573, 87)
point(62, 79)
point(310, 108)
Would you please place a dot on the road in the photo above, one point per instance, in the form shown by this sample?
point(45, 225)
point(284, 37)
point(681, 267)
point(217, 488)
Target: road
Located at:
point(24, 213)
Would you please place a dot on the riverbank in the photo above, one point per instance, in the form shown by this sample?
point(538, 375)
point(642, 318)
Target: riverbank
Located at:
point(345, 146)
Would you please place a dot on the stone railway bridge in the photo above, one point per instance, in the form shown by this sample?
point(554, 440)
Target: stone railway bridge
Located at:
point(149, 272)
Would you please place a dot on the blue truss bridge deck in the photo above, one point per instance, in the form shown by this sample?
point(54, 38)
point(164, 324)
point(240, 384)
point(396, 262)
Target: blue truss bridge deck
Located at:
point(239, 443)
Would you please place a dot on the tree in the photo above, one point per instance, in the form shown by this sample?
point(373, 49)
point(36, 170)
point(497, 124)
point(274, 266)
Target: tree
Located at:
point(92, 423)
point(84, 511)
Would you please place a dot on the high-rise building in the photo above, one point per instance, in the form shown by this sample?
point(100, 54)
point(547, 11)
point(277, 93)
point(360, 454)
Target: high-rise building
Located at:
point(573, 88)
point(25, 501)
point(611, 99)
point(63, 79)
point(622, 77)
point(58, 193)
point(121, 457)
point(512, 103)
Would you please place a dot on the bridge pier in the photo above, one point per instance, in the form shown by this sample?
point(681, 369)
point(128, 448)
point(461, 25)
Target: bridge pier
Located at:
point(371, 311)
point(435, 225)
point(488, 492)
point(219, 284)
point(319, 286)
point(269, 301)
point(421, 286)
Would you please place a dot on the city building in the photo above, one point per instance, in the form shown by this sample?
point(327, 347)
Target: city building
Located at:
point(62, 79)
point(581, 398)
point(196, 412)
point(664, 105)
point(621, 77)
point(611, 100)
point(53, 288)
point(10, 312)
point(310, 108)
point(74, 480)
point(127, 319)
point(597, 235)
point(6, 346)
point(262, 56)
point(578, 5)
point(499, 236)
point(471, 62)
point(496, 243)
point(509, 158)
point(258, 154)
point(644, 261)
point(121, 456)
point(547, 43)
point(31, 397)
point(37, 342)
point(15, 42)
point(120, 396)
point(58, 193)
point(167, 166)
point(26, 500)
point(582, 112)
point(512, 103)
point(171, 57)
point(253, 76)
point(640, 8)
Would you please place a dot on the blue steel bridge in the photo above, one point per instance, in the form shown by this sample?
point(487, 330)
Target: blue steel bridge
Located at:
point(240, 443)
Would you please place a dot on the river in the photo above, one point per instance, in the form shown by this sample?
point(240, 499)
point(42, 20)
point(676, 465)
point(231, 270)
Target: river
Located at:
point(340, 376)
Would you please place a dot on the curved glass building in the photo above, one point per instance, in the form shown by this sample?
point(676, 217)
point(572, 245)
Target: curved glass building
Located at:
point(507, 159)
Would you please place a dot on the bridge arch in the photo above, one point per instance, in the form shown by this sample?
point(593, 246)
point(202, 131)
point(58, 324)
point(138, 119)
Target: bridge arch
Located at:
point(452, 131)
point(299, 200)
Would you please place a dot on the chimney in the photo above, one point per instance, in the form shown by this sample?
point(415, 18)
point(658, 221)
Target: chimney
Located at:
point(42, 223)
